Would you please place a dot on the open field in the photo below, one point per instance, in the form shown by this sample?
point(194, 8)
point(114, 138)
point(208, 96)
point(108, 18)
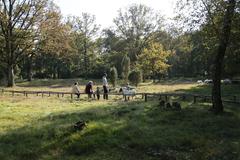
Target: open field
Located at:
point(64, 85)
point(42, 128)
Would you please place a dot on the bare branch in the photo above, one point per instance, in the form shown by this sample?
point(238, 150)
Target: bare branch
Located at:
point(210, 16)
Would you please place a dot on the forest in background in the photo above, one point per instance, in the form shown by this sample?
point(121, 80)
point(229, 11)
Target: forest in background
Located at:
point(36, 41)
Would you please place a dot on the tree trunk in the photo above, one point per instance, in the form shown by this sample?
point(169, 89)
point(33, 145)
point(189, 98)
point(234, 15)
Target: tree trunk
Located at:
point(86, 67)
point(30, 69)
point(154, 77)
point(58, 73)
point(217, 106)
point(144, 78)
point(54, 73)
point(10, 76)
point(30, 74)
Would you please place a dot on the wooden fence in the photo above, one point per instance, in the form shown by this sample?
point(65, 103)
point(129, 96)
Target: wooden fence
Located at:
point(145, 96)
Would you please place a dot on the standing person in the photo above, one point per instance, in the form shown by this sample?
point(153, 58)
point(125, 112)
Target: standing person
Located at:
point(76, 90)
point(89, 89)
point(105, 87)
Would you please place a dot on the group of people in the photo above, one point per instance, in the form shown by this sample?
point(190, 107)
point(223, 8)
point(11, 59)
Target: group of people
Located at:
point(89, 89)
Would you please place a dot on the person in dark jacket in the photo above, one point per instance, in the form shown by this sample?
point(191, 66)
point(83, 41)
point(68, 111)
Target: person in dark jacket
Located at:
point(89, 89)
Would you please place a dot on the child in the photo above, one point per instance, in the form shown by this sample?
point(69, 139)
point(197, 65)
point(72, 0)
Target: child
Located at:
point(98, 93)
point(128, 86)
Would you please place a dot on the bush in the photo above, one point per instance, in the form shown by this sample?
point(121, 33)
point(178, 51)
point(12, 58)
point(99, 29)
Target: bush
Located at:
point(135, 77)
point(125, 68)
point(113, 76)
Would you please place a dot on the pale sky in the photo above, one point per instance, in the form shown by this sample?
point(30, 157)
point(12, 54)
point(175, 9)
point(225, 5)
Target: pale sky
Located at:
point(106, 10)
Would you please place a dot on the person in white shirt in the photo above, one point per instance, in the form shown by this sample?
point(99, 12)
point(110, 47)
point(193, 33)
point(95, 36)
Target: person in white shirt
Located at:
point(105, 87)
point(76, 90)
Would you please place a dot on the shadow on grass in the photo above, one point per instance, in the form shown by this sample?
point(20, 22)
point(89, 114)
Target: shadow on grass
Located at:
point(207, 90)
point(127, 131)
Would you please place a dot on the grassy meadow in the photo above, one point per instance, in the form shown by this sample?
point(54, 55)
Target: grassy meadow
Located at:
point(65, 85)
point(36, 128)
point(183, 85)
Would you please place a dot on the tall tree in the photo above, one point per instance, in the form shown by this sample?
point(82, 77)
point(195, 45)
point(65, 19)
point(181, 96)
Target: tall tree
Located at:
point(113, 48)
point(153, 61)
point(135, 25)
point(18, 21)
point(218, 64)
point(215, 17)
point(54, 41)
point(86, 31)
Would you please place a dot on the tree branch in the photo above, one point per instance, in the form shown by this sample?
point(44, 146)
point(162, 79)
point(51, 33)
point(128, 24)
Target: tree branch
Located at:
point(210, 16)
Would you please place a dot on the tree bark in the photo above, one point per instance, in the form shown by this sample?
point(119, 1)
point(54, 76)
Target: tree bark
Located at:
point(86, 60)
point(10, 76)
point(217, 106)
point(55, 73)
point(30, 69)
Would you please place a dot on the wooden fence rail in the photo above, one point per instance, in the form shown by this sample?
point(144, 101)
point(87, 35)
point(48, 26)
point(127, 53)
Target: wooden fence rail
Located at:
point(145, 96)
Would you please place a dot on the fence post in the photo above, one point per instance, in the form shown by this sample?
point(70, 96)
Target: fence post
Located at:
point(166, 98)
point(205, 99)
point(142, 96)
point(49, 94)
point(160, 97)
point(194, 99)
point(12, 93)
point(234, 98)
point(183, 97)
point(62, 94)
point(146, 97)
point(42, 94)
point(71, 96)
point(125, 97)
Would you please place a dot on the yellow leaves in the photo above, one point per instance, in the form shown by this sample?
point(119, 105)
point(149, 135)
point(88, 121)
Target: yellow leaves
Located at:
point(154, 59)
point(55, 35)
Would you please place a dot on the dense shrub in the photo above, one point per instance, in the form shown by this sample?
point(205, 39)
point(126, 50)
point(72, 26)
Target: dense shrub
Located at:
point(113, 76)
point(135, 77)
point(125, 68)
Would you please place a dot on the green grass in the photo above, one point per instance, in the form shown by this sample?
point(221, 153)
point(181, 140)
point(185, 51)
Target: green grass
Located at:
point(226, 89)
point(43, 129)
point(36, 128)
